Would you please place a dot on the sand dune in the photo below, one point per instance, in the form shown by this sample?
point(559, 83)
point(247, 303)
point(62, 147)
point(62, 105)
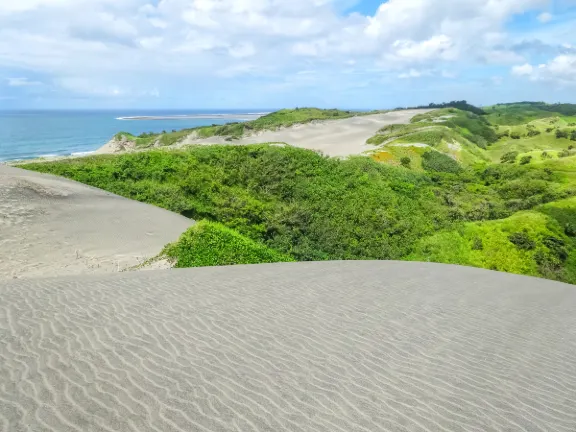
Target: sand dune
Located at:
point(52, 226)
point(327, 347)
point(332, 137)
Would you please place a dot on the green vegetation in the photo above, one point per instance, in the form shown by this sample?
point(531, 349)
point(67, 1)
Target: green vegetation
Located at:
point(265, 203)
point(529, 243)
point(212, 244)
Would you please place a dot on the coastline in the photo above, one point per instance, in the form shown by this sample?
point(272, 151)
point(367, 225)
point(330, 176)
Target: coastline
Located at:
point(53, 134)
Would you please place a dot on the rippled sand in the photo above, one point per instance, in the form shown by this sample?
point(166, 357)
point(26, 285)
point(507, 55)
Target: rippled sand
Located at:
point(333, 346)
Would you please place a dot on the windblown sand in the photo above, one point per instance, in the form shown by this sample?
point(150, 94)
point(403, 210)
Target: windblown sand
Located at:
point(343, 137)
point(333, 346)
point(51, 226)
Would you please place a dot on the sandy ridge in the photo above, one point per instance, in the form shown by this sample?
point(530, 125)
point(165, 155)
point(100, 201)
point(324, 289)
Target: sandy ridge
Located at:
point(338, 138)
point(52, 226)
point(342, 346)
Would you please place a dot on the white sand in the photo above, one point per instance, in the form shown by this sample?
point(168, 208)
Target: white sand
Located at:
point(303, 347)
point(51, 226)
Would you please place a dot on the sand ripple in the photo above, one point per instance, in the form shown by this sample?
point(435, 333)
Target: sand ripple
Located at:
point(356, 346)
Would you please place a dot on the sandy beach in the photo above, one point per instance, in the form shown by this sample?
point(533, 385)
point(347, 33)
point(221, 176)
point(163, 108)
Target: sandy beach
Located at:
point(308, 347)
point(51, 226)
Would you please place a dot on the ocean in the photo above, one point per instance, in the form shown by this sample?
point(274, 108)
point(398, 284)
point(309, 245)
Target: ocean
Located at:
point(32, 134)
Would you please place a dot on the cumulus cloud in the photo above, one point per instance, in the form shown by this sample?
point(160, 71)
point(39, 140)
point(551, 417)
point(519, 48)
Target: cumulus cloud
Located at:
point(560, 70)
point(112, 47)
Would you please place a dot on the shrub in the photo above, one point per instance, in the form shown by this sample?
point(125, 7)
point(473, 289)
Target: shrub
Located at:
point(525, 160)
point(515, 135)
point(545, 155)
point(564, 153)
point(477, 244)
point(573, 135)
point(561, 133)
point(212, 244)
point(503, 134)
point(533, 132)
point(405, 162)
point(522, 241)
point(509, 157)
point(439, 162)
point(549, 129)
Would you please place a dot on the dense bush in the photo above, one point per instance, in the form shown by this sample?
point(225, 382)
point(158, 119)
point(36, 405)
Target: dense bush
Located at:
point(509, 157)
point(560, 133)
point(212, 244)
point(292, 200)
point(525, 160)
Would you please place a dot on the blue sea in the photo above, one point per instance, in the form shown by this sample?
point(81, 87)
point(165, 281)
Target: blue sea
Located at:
point(31, 134)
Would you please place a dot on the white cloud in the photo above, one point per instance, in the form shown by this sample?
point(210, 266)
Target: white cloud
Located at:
point(560, 70)
point(112, 47)
point(545, 17)
point(22, 82)
point(523, 70)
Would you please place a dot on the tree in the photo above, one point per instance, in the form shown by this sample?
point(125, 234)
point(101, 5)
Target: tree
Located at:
point(525, 160)
point(405, 162)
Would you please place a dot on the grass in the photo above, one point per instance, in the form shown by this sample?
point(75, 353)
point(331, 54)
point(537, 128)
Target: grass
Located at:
point(264, 202)
point(213, 244)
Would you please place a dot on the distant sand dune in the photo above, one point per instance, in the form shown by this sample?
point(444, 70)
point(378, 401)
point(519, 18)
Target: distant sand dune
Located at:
point(51, 226)
point(343, 137)
point(327, 347)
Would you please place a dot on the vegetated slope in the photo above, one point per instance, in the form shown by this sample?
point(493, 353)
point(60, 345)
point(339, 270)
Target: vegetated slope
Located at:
point(275, 120)
point(308, 207)
point(462, 135)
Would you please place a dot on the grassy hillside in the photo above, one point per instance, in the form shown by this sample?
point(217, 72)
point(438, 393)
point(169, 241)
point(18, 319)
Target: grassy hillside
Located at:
point(462, 135)
point(525, 112)
point(275, 120)
point(289, 203)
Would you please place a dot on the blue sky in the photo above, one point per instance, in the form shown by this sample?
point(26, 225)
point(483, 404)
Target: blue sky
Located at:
point(86, 54)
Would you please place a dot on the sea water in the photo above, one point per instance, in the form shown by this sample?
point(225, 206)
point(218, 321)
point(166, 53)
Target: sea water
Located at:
point(32, 134)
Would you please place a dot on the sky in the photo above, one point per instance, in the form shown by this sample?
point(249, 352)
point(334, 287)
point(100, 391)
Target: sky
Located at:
point(247, 54)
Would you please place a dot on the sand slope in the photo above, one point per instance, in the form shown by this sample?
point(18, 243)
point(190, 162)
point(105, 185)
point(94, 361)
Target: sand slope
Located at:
point(332, 137)
point(52, 226)
point(327, 347)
